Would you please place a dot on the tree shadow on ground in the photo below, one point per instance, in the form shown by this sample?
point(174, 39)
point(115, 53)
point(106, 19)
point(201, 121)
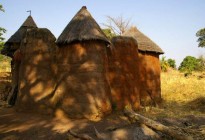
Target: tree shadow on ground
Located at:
point(15, 125)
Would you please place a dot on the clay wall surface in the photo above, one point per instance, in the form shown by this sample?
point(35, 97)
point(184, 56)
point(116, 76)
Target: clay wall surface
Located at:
point(37, 71)
point(123, 73)
point(149, 71)
point(82, 89)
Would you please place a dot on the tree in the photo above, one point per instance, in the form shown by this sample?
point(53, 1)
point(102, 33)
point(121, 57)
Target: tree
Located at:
point(164, 64)
point(172, 63)
point(108, 33)
point(201, 66)
point(201, 37)
point(189, 64)
point(1, 8)
point(117, 25)
point(2, 31)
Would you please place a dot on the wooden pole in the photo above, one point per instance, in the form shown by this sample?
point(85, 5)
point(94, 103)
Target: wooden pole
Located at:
point(156, 125)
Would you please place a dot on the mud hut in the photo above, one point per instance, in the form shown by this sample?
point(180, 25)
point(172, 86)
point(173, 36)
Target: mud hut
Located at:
point(149, 67)
point(37, 71)
point(123, 73)
point(83, 89)
point(11, 49)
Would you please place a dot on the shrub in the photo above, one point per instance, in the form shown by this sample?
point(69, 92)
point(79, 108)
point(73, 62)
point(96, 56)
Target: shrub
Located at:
point(164, 64)
point(189, 64)
point(172, 63)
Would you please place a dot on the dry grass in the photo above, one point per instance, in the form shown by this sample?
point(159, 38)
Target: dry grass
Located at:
point(180, 89)
point(183, 101)
point(182, 96)
point(5, 64)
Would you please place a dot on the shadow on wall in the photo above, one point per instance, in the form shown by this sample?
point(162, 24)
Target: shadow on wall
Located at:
point(71, 78)
point(149, 73)
point(123, 73)
point(83, 89)
point(37, 70)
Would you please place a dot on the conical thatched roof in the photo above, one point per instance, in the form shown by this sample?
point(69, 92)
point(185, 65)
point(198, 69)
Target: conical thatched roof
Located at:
point(82, 27)
point(29, 22)
point(18, 36)
point(145, 44)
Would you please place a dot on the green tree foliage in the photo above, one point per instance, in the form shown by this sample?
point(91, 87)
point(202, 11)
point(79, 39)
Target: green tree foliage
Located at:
point(1, 8)
point(189, 64)
point(201, 66)
point(164, 64)
point(109, 33)
point(2, 31)
point(1, 45)
point(201, 37)
point(172, 63)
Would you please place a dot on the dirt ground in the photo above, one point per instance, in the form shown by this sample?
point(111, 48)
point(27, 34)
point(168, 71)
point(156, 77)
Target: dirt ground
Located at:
point(20, 125)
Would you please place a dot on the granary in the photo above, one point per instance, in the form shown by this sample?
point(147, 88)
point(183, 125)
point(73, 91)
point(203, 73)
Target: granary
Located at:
point(82, 74)
point(149, 67)
point(37, 71)
point(11, 49)
point(83, 89)
point(123, 73)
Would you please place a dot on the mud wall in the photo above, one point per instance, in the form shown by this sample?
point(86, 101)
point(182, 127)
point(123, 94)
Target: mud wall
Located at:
point(149, 71)
point(123, 73)
point(82, 87)
point(37, 71)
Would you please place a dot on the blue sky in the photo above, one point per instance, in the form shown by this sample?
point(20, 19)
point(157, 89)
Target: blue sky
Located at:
point(172, 24)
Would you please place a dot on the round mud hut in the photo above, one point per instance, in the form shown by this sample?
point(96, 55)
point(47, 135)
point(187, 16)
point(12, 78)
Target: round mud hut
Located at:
point(123, 73)
point(149, 67)
point(37, 71)
point(83, 89)
point(11, 49)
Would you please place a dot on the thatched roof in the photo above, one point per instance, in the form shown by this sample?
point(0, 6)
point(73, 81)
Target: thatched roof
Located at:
point(82, 27)
point(18, 36)
point(29, 22)
point(145, 44)
point(40, 33)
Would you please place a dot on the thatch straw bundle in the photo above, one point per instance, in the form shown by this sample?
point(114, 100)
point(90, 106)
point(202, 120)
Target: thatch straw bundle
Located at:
point(123, 73)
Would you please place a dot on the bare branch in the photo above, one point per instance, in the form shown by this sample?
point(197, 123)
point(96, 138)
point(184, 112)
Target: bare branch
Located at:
point(117, 25)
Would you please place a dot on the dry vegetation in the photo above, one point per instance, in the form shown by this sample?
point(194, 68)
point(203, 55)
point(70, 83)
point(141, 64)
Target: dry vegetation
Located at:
point(183, 103)
point(188, 93)
point(181, 95)
point(5, 64)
